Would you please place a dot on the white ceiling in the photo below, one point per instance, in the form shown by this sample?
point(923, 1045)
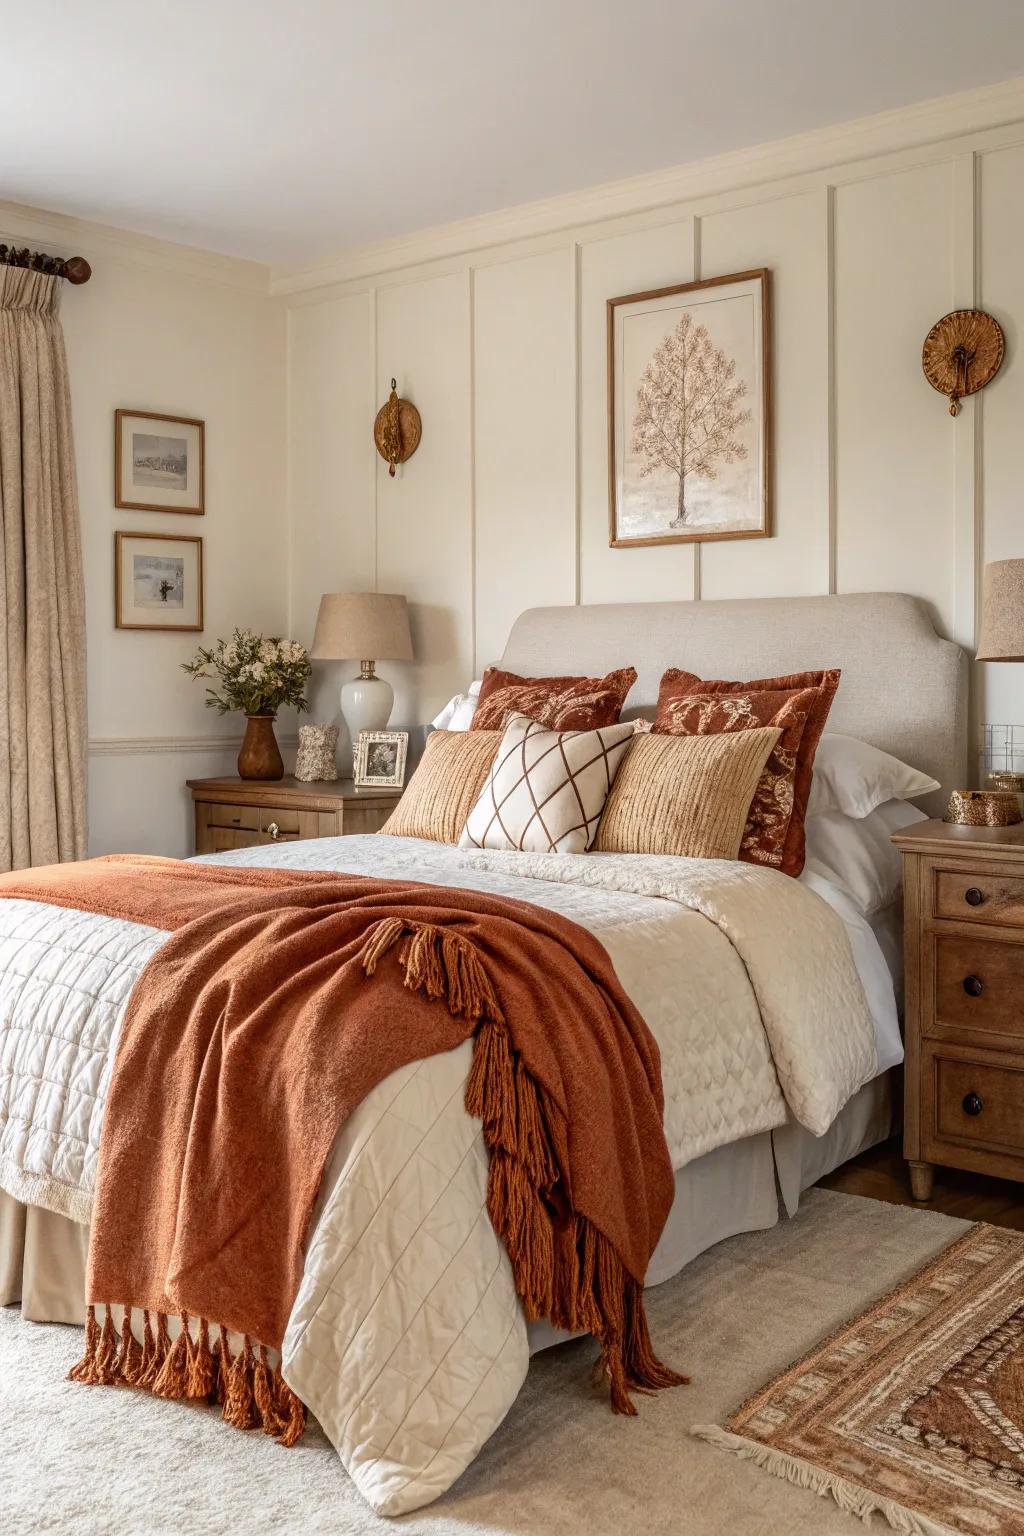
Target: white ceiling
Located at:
point(285, 131)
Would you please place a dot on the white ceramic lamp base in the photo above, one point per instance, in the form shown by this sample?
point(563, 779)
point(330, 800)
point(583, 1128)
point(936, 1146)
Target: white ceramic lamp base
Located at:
point(366, 704)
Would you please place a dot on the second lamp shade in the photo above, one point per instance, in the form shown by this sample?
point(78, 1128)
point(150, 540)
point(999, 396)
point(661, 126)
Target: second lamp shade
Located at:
point(362, 626)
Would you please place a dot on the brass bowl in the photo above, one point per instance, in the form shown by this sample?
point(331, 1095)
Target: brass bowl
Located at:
point(983, 808)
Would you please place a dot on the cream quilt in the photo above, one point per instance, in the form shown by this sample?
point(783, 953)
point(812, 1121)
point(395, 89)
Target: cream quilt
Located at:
point(407, 1340)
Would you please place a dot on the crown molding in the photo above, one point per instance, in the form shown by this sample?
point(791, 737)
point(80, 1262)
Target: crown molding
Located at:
point(102, 243)
point(926, 122)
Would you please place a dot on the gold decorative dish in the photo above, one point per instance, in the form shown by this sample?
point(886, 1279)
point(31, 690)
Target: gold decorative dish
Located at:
point(983, 808)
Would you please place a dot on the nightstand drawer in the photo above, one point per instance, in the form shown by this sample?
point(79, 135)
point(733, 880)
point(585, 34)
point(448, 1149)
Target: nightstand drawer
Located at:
point(979, 984)
point(262, 819)
point(969, 896)
point(973, 1103)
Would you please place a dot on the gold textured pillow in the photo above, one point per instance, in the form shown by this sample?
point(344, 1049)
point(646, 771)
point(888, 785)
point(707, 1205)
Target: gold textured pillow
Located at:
point(445, 787)
point(685, 795)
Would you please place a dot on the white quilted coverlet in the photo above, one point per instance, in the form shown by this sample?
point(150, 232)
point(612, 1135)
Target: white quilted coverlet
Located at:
point(406, 1339)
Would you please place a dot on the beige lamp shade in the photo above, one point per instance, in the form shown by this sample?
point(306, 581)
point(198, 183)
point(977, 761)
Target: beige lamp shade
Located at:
point(1002, 612)
point(362, 625)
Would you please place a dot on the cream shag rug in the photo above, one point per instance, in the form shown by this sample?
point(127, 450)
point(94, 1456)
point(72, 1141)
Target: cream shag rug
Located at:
point(91, 1462)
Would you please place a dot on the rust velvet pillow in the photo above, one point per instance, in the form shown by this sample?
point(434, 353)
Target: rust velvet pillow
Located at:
point(798, 704)
point(557, 703)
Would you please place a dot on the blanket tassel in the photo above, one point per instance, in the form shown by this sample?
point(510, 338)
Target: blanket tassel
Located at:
point(564, 1268)
point(252, 1393)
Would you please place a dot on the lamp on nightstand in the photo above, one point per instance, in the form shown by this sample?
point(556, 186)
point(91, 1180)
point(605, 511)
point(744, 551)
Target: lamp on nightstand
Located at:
point(1002, 612)
point(363, 624)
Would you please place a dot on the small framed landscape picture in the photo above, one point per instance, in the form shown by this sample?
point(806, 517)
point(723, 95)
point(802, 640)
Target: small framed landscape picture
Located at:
point(380, 759)
point(159, 462)
point(689, 412)
point(158, 581)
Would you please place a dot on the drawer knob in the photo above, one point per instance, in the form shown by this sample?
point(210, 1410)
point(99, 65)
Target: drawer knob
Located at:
point(973, 986)
point(973, 1104)
point(275, 832)
point(973, 896)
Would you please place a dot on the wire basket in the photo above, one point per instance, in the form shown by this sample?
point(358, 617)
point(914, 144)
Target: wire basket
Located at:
point(1002, 757)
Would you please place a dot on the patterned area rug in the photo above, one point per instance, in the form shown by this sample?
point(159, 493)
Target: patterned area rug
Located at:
point(915, 1408)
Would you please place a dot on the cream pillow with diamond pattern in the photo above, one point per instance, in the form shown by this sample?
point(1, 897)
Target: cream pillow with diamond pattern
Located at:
point(546, 789)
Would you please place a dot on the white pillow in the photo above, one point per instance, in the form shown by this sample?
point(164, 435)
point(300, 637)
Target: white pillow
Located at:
point(853, 777)
point(458, 713)
point(856, 852)
point(546, 789)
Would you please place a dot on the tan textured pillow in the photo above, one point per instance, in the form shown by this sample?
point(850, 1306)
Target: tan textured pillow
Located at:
point(445, 787)
point(686, 795)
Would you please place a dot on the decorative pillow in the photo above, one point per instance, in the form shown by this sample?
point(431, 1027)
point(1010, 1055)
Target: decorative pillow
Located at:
point(686, 795)
point(854, 777)
point(546, 789)
point(445, 787)
point(799, 705)
point(557, 703)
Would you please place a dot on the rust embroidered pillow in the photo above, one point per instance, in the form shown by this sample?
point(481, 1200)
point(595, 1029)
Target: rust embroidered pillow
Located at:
point(546, 789)
point(557, 703)
point(798, 704)
point(445, 786)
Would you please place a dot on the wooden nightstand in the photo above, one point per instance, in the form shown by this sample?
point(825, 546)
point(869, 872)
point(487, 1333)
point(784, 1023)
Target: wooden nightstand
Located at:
point(964, 948)
point(244, 813)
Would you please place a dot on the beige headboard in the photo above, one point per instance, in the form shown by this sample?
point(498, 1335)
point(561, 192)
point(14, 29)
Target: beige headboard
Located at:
point(903, 688)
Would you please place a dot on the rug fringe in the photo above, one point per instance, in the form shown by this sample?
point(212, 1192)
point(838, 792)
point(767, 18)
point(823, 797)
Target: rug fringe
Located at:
point(850, 1497)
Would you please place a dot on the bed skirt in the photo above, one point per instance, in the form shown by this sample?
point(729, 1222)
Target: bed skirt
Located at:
point(743, 1187)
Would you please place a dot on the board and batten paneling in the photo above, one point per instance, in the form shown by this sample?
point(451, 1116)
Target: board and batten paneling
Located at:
point(503, 348)
point(790, 237)
point(1001, 291)
point(330, 474)
point(894, 442)
point(424, 514)
point(524, 442)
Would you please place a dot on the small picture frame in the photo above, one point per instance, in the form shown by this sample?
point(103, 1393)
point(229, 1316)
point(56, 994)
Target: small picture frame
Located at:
point(380, 759)
point(158, 581)
point(159, 462)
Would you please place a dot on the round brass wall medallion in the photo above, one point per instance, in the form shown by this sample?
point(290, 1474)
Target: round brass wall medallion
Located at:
point(397, 429)
point(961, 353)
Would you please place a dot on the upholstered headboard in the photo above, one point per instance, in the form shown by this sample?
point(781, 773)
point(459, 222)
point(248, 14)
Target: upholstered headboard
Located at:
point(903, 688)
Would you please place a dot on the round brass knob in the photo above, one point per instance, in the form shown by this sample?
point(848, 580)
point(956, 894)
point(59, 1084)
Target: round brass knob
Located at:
point(973, 986)
point(275, 832)
point(973, 1104)
point(973, 896)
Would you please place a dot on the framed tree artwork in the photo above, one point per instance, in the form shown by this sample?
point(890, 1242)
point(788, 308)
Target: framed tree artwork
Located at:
point(689, 412)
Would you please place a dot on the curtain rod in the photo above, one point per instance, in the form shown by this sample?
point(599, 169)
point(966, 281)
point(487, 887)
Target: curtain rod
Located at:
point(75, 268)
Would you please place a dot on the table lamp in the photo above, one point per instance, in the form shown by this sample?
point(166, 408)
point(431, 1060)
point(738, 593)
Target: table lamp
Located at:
point(1002, 612)
point(353, 625)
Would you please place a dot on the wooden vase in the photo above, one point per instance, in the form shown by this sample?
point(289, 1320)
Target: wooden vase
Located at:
point(260, 756)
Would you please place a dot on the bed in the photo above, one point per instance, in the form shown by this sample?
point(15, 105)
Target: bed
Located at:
point(405, 1432)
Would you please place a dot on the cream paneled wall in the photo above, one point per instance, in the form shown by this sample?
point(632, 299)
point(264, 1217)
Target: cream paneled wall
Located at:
point(503, 348)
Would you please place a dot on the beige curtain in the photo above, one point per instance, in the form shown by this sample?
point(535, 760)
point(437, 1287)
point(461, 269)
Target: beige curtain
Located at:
point(42, 599)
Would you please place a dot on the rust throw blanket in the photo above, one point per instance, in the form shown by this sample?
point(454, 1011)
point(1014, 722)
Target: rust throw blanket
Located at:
point(279, 1001)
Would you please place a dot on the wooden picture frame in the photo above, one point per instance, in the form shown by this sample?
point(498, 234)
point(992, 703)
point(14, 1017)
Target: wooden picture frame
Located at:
point(159, 570)
point(725, 346)
point(364, 776)
point(173, 470)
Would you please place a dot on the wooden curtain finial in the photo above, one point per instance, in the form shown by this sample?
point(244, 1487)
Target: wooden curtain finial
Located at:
point(397, 429)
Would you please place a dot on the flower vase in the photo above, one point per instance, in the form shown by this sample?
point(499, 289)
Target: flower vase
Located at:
point(260, 756)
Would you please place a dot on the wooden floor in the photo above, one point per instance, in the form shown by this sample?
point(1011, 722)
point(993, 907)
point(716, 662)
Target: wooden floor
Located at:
point(881, 1174)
